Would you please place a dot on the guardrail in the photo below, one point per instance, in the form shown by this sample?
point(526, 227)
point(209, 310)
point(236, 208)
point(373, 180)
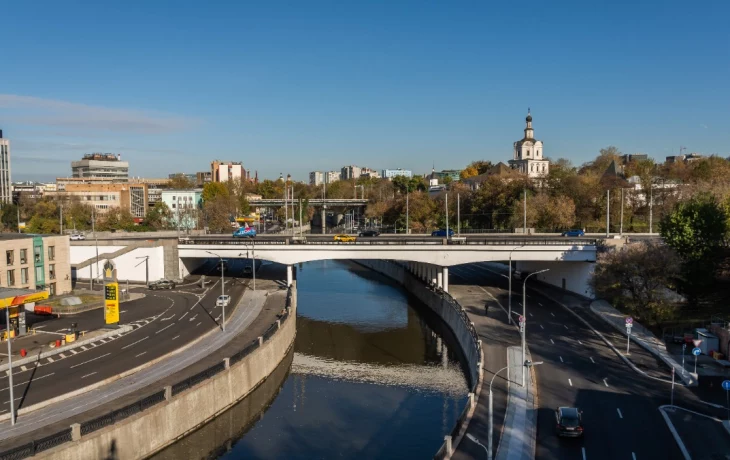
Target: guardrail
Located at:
point(48, 442)
point(379, 241)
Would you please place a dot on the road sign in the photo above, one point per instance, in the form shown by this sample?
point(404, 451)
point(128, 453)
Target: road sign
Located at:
point(111, 303)
point(629, 321)
point(726, 385)
point(684, 346)
point(697, 342)
point(696, 351)
point(521, 319)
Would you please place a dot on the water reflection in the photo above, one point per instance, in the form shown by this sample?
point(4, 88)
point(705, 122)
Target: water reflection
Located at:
point(371, 376)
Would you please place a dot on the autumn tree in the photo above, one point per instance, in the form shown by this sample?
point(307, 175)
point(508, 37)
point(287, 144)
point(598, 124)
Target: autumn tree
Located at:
point(116, 218)
point(212, 190)
point(181, 182)
point(159, 217)
point(469, 171)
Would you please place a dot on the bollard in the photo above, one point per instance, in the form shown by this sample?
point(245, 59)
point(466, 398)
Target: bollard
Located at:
point(278, 324)
point(447, 441)
point(168, 393)
point(261, 340)
point(226, 363)
point(58, 343)
point(23, 352)
point(75, 431)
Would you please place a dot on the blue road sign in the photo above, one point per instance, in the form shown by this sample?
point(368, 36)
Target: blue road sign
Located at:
point(696, 351)
point(726, 385)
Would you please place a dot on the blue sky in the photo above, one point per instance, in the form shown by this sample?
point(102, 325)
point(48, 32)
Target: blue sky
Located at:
point(298, 86)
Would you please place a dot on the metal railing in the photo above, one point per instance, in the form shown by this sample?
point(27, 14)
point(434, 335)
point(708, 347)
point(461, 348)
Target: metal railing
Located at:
point(32, 448)
point(313, 240)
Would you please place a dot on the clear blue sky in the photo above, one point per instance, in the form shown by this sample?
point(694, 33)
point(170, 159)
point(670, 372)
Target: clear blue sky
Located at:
point(300, 86)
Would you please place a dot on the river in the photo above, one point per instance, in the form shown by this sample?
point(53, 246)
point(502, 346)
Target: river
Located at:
point(373, 374)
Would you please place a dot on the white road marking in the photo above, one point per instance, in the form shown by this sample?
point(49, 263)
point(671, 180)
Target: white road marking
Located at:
point(561, 359)
point(580, 342)
point(170, 325)
point(74, 352)
point(605, 383)
point(168, 318)
point(633, 456)
point(137, 356)
point(552, 314)
point(135, 343)
point(217, 317)
point(539, 304)
point(86, 362)
point(84, 348)
point(88, 375)
point(583, 449)
point(565, 326)
point(620, 415)
point(62, 355)
point(23, 368)
point(530, 314)
point(191, 319)
point(551, 341)
point(38, 327)
point(570, 382)
point(50, 360)
point(591, 358)
point(29, 381)
point(123, 311)
point(175, 337)
point(183, 316)
point(199, 324)
point(542, 327)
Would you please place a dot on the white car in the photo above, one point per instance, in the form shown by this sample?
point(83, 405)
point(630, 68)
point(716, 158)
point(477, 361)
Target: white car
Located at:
point(77, 237)
point(223, 301)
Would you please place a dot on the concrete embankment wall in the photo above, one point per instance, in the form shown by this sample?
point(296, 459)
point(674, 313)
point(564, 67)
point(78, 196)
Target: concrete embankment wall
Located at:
point(129, 259)
point(572, 276)
point(154, 429)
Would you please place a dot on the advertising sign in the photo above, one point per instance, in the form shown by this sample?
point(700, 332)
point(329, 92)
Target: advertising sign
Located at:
point(111, 303)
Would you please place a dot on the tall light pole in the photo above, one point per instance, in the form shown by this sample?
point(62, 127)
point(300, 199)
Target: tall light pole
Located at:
point(524, 216)
point(458, 215)
point(96, 240)
point(407, 229)
point(10, 367)
point(253, 268)
point(651, 205)
point(608, 212)
point(490, 439)
point(446, 203)
point(509, 280)
point(223, 288)
point(621, 226)
point(524, 317)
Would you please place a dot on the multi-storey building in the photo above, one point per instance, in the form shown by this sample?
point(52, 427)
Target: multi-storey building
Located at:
point(316, 178)
point(391, 173)
point(528, 153)
point(184, 206)
point(371, 173)
point(350, 172)
point(331, 176)
point(103, 165)
point(6, 193)
point(203, 177)
point(191, 177)
point(38, 262)
point(223, 171)
point(102, 197)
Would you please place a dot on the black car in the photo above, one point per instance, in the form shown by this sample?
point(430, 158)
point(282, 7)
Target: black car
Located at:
point(369, 233)
point(161, 284)
point(569, 422)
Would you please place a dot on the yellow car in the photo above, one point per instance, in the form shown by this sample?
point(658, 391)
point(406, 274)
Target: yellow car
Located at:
point(345, 238)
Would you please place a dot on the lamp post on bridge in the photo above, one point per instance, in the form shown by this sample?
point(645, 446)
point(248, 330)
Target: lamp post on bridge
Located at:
point(509, 281)
point(253, 254)
point(523, 323)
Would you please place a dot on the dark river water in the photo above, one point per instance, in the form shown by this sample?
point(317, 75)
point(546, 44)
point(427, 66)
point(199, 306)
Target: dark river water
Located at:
point(372, 375)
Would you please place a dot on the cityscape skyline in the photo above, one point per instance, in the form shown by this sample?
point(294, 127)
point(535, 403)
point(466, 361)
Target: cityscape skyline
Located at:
point(317, 88)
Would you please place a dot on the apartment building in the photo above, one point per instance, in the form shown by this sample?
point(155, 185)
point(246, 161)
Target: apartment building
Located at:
point(223, 171)
point(133, 197)
point(102, 165)
point(6, 194)
point(316, 178)
point(38, 262)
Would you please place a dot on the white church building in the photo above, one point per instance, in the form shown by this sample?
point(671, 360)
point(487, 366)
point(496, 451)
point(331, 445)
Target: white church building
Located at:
point(528, 154)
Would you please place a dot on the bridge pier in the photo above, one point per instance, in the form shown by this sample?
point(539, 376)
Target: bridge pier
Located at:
point(445, 276)
point(289, 275)
point(439, 278)
point(324, 220)
point(432, 275)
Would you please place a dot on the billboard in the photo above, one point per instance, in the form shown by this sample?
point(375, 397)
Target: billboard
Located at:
point(111, 303)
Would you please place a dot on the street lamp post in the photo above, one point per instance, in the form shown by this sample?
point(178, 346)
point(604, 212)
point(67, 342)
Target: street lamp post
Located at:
point(509, 280)
point(223, 289)
point(10, 367)
point(407, 230)
point(524, 316)
point(253, 268)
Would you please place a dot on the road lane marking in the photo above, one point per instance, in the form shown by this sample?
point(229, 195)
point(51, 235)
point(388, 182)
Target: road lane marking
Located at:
point(539, 304)
point(583, 449)
point(88, 375)
point(86, 362)
point(175, 337)
point(183, 316)
point(542, 327)
point(633, 456)
point(551, 341)
point(530, 314)
point(74, 352)
point(580, 342)
point(552, 314)
point(565, 326)
point(605, 383)
point(84, 348)
point(592, 360)
point(23, 368)
point(217, 318)
point(168, 318)
point(170, 325)
point(50, 360)
point(199, 324)
point(561, 359)
point(29, 381)
point(193, 318)
point(620, 415)
point(135, 343)
point(570, 382)
point(137, 356)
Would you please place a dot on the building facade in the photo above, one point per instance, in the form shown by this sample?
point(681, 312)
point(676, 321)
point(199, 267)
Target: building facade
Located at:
point(350, 172)
point(527, 156)
point(370, 173)
point(391, 173)
point(132, 197)
point(6, 192)
point(36, 262)
point(203, 177)
point(316, 178)
point(184, 206)
point(103, 165)
point(223, 171)
point(191, 177)
point(331, 176)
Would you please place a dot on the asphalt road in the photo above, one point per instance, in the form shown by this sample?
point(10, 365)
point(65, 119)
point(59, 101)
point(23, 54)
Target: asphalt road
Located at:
point(163, 321)
point(620, 406)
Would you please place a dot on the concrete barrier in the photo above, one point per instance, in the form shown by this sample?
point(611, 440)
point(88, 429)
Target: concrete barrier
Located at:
point(154, 429)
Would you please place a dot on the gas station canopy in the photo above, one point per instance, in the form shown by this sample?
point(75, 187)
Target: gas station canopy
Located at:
point(11, 297)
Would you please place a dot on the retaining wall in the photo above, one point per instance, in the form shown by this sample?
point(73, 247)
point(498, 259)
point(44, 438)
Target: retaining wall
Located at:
point(187, 405)
point(456, 318)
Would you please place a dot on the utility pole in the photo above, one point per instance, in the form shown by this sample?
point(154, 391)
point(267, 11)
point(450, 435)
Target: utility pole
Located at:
point(61, 219)
point(18, 208)
point(300, 217)
point(10, 368)
point(446, 202)
point(608, 212)
point(458, 215)
point(651, 205)
point(408, 232)
point(524, 218)
point(621, 227)
point(96, 240)
point(286, 208)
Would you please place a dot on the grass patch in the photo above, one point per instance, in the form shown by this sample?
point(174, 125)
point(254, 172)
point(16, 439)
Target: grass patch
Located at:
point(85, 299)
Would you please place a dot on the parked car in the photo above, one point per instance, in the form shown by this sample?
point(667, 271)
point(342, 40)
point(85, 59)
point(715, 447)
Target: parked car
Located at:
point(369, 233)
point(345, 238)
point(161, 284)
point(77, 237)
point(516, 274)
point(218, 266)
point(569, 422)
point(574, 233)
point(442, 232)
point(223, 301)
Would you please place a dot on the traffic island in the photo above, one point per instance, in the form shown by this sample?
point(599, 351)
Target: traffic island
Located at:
point(697, 435)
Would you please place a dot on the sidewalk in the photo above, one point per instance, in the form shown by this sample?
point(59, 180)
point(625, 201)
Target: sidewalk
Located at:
point(520, 425)
point(496, 336)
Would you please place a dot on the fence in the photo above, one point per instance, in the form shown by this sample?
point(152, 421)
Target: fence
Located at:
point(36, 446)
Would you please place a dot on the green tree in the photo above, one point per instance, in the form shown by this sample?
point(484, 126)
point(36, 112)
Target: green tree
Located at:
point(212, 190)
point(696, 229)
point(244, 208)
point(116, 218)
point(181, 182)
point(159, 217)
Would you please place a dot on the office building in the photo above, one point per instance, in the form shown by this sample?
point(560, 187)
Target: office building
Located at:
point(350, 172)
point(6, 192)
point(316, 178)
point(224, 171)
point(629, 157)
point(101, 165)
point(184, 206)
point(132, 197)
point(527, 153)
point(38, 262)
point(391, 173)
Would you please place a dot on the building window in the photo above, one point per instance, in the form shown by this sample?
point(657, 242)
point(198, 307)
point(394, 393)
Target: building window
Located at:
point(51, 252)
point(173, 205)
point(23, 256)
point(11, 277)
point(38, 274)
point(9, 256)
point(52, 289)
point(52, 271)
point(23, 276)
point(37, 254)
